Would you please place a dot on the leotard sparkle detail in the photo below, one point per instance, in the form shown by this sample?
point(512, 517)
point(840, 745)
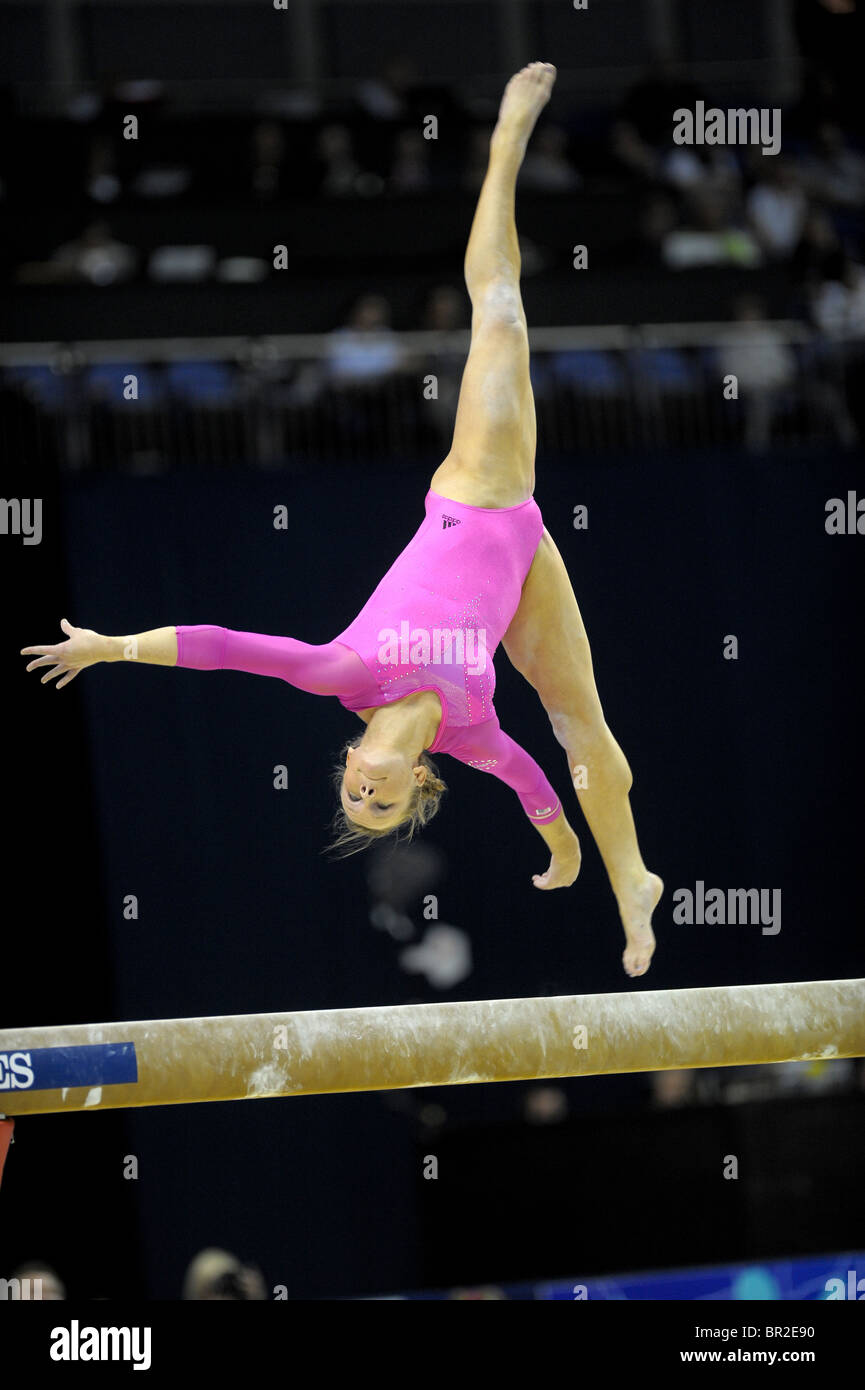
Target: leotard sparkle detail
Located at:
point(433, 623)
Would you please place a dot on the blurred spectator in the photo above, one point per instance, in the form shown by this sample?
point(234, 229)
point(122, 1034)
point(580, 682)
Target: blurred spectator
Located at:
point(671, 1089)
point(703, 167)
point(546, 166)
point(410, 171)
point(764, 367)
point(649, 105)
point(838, 305)
point(444, 956)
point(829, 35)
point(215, 1275)
point(386, 97)
point(340, 174)
point(545, 1105)
point(363, 352)
point(834, 173)
point(95, 258)
point(711, 236)
point(643, 126)
point(766, 370)
point(658, 218)
point(777, 208)
point(38, 1281)
point(737, 1085)
point(446, 311)
point(161, 181)
point(365, 349)
point(632, 153)
point(816, 1076)
point(267, 159)
point(102, 180)
point(818, 255)
point(399, 877)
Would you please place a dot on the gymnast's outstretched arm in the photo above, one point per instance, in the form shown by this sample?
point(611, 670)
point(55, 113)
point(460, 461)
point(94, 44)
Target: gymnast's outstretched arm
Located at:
point(330, 669)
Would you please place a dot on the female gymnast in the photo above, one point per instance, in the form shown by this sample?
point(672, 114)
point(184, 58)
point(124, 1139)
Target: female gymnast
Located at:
point(416, 664)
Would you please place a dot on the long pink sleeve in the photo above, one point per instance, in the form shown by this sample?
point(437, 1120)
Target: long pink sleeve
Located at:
point(331, 669)
point(488, 748)
point(334, 669)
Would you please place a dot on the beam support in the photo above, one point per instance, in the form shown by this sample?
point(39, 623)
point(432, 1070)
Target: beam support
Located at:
point(246, 1057)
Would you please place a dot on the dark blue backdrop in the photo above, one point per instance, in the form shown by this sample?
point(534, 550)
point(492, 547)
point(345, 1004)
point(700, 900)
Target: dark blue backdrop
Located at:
point(745, 775)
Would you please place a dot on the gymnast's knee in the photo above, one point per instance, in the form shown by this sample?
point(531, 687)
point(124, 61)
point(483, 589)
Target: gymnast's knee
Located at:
point(499, 306)
point(593, 751)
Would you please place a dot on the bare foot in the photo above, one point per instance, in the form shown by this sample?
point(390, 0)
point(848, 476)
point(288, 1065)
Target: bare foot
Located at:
point(524, 99)
point(636, 908)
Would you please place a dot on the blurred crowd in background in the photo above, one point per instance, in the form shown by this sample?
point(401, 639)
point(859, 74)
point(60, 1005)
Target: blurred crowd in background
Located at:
point(212, 1275)
point(692, 205)
point(198, 199)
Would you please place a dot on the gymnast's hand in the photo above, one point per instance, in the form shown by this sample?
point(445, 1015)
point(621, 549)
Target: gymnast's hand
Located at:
point(564, 846)
point(82, 647)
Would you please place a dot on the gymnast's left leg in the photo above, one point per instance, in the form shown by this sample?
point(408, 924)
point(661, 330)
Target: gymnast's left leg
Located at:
point(492, 456)
point(547, 643)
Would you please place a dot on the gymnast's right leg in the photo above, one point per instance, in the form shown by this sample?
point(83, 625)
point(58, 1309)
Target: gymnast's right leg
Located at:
point(547, 643)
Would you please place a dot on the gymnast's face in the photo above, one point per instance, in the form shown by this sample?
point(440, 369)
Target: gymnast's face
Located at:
point(377, 788)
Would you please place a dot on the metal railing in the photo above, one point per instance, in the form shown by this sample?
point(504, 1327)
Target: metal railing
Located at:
point(280, 402)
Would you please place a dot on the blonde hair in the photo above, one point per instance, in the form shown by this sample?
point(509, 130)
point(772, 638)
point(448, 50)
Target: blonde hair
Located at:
point(423, 805)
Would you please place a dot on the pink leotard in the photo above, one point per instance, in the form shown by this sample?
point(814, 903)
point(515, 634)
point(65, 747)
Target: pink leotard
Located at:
point(433, 623)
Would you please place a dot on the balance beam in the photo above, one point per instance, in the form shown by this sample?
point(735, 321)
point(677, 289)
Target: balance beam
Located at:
point(104, 1066)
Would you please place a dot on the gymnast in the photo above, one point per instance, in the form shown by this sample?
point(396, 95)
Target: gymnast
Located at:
point(416, 664)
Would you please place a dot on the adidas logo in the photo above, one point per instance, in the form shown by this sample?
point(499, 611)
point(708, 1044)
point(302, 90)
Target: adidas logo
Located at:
point(450, 521)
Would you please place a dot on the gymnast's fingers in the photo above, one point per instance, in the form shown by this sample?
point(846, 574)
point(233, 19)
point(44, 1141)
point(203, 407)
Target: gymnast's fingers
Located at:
point(47, 655)
point(55, 671)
